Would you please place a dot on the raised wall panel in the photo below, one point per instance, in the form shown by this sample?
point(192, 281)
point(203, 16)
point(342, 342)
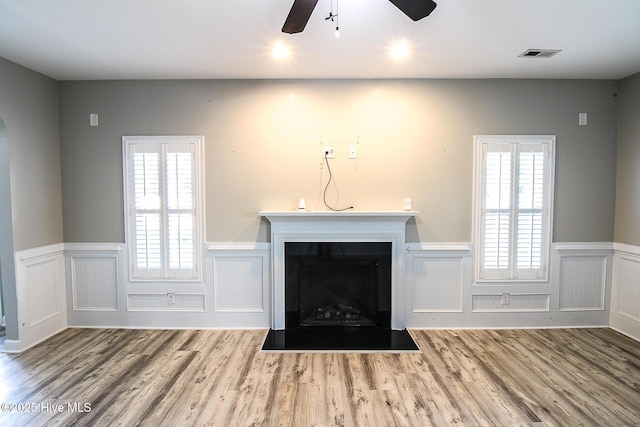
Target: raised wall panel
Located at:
point(42, 310)
point(238, 283)
point(43, 289)
point(436, 284)
point(94, 282)
point(517, 302)
point(582, 283)
point(160, 302)
point(628, 298)
point(238, 275)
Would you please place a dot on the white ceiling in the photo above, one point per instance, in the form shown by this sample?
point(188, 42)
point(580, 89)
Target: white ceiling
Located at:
point(211, 39)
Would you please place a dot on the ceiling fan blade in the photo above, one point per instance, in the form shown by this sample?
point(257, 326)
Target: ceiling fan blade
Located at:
point(298, 16)
point(415, 9)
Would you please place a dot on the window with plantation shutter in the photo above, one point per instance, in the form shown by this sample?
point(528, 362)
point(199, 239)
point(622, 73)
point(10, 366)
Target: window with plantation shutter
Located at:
point(514, 185)
point(162, 187)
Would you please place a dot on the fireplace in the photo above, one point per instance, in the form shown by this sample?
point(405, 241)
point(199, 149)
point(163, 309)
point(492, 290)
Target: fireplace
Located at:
point(337, 281)
point(349, 226)
point(338, 284)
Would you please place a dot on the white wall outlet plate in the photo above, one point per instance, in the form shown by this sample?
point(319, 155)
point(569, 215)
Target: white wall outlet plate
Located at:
point(582, 119)
point(329, 152)
point(506, 299)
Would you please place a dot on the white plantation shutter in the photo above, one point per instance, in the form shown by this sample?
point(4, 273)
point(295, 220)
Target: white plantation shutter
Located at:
point(514, 200)
point(497, 218)
point(146, 179)
point(530, 208)
point(162, 185)
point(180, 221)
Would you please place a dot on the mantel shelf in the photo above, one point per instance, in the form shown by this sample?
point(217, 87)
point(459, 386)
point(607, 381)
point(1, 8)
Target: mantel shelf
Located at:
point(343, 215)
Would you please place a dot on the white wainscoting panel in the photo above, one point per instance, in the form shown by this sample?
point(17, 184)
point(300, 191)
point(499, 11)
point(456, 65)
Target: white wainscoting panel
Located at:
point(437, 284)
point(625, 296)
point(184, 302)
point(94, 281)
point(43, 290)
point(583, 283)
point(517, 302)
point(238, 283)
point(95, 284)
point(240, 275)
point(40, 279)
point(583, 275)
point(440, 292)
point(628, 301)
point(437, 275)
point(233, 294)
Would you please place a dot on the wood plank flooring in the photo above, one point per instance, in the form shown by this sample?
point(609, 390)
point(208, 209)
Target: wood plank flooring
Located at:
point(572, 377)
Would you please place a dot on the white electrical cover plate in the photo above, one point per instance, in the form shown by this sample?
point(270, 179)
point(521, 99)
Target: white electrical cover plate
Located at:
point(582, 119)
point(329, 152)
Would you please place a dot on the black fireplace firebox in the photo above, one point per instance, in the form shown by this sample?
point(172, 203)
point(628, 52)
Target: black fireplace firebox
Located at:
point(341, 284)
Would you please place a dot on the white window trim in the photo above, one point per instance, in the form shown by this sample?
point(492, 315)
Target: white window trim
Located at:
point(198, 195)
point(479, 142)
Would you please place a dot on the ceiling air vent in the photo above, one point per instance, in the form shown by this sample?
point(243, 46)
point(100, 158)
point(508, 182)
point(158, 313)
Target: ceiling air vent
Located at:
point(538, 53)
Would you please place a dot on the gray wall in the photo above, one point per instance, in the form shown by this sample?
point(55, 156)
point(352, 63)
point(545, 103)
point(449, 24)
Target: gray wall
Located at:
point(627, 225)
point(29, 109)
point(263, 148)
point(30, 188)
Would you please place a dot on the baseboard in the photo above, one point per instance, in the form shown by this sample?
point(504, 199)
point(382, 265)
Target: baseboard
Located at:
point(508, 328)
point(625, 333)
point(11, 346)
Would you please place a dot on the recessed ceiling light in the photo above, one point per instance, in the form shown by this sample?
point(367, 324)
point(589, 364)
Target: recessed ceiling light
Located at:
point(281, 51)
point(399, 51)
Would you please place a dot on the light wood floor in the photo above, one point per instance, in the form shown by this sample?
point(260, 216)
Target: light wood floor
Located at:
point(585, 377)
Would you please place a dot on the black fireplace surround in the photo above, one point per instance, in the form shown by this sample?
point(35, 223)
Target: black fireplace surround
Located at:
point(338, 297)
point(337, 284)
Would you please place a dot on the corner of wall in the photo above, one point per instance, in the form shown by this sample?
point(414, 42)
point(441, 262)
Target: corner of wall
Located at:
point(625, 292)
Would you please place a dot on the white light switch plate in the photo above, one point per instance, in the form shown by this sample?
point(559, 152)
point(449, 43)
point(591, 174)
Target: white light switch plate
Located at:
point(582, 119)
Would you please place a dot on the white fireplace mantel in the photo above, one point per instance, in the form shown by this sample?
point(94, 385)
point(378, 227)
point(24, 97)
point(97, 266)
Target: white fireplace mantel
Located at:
point(346, 226)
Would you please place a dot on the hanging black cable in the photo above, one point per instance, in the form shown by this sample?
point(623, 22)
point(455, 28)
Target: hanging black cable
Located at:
point(324, 195)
